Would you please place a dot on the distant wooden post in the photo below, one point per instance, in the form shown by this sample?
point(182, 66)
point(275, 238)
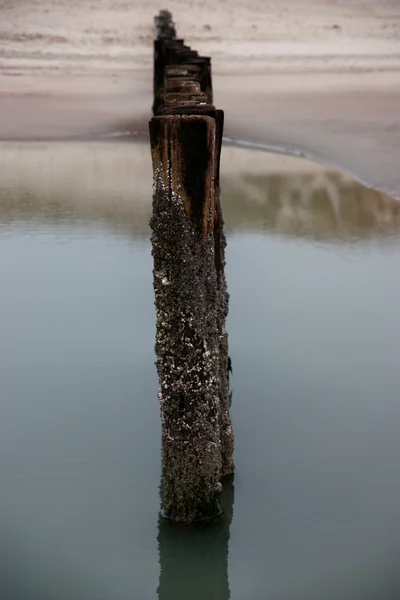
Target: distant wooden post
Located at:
point(191, 297)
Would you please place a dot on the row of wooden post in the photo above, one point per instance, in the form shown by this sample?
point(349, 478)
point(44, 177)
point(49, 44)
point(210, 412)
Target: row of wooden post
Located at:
point(191, 298)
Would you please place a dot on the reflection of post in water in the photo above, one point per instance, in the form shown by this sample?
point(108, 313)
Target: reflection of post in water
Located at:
point(194, 558)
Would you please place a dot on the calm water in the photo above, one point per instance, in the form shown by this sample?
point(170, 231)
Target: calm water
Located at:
point(314, 510)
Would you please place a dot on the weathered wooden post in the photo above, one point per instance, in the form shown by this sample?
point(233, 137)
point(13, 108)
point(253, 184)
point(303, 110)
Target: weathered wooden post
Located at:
point(190, 292)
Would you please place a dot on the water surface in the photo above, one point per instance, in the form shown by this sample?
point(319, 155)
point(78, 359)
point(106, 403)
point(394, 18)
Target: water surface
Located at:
point(314, 509)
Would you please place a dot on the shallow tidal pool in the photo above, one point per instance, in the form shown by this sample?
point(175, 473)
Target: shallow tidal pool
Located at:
point(312, 260)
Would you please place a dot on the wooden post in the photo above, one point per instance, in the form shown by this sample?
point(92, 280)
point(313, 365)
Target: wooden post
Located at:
point(226, 432)
point(191, 298)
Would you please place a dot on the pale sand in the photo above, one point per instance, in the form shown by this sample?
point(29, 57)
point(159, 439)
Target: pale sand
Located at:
point(319, 77)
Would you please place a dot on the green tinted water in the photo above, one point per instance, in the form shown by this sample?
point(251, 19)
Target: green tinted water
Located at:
point(314, 509)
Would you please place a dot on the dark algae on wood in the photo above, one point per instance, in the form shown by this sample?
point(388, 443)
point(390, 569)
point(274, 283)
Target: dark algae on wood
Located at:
point(191, 297)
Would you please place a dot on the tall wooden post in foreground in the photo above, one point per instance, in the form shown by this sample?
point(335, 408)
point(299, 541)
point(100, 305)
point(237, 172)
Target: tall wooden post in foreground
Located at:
point(191, 297)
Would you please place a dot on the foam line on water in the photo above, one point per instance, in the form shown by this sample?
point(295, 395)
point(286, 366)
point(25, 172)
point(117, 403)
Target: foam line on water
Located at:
point(265, 147)
point(292, 151)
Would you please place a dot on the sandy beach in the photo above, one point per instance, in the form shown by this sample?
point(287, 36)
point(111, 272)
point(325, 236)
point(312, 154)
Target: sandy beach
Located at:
point(317, 77)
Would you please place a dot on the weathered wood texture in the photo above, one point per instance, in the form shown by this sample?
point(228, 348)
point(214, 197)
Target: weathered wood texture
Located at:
point(191, 298)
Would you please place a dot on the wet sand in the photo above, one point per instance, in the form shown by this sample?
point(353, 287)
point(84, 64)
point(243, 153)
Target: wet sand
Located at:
point(315, 77)
point(110, 183)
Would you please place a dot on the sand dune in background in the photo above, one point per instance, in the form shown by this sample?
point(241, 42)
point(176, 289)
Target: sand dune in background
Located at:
point(117, 34)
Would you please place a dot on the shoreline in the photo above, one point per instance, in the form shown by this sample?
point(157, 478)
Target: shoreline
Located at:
point(298, 153)
point(110, 183)
point(142, 136)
